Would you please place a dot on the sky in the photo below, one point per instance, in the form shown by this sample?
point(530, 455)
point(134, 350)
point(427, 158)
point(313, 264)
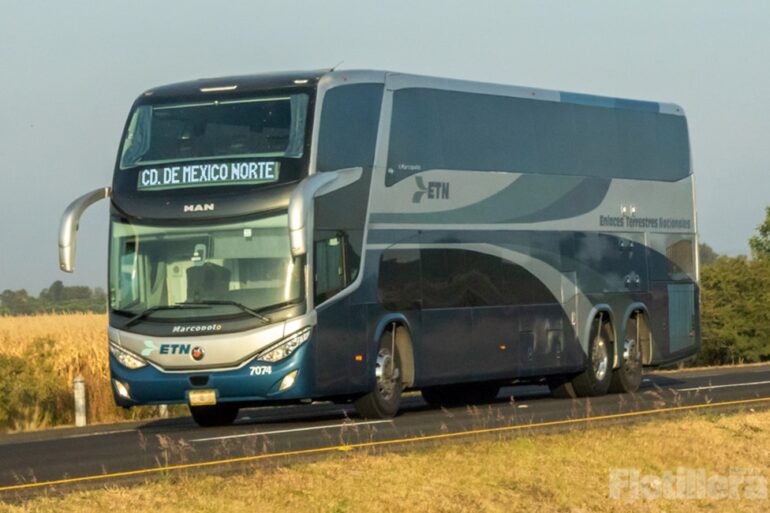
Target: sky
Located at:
point(69, 74)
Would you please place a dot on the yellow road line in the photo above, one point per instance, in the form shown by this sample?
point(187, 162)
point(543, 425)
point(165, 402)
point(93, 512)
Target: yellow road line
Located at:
point(348, 447)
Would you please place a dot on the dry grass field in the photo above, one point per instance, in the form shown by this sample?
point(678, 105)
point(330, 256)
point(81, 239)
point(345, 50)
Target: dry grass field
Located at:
point(81, 339)
point(39, 357)
point(566, 472)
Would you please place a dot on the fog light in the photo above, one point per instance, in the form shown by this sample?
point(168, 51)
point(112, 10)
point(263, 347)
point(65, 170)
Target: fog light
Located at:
point(288, 380)
point(122, 389)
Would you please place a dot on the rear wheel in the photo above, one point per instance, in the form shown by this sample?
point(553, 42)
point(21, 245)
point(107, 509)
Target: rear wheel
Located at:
point(210, 416)
point(595, 380)
point(460, 395)
point(628, 376)
point(383, 401)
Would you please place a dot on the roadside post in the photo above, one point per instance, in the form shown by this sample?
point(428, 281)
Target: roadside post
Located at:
point(80, 401)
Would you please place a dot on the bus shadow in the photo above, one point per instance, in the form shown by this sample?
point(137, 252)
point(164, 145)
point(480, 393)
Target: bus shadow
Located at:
point(297, 415)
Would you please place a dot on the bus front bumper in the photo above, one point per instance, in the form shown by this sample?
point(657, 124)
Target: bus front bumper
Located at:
point(253, 383)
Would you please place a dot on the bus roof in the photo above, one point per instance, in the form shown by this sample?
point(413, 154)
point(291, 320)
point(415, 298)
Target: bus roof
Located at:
point(289, 79)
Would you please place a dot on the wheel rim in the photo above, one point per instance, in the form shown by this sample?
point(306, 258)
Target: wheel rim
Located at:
point(632, 361)
point(387, 374)
point(600, 358)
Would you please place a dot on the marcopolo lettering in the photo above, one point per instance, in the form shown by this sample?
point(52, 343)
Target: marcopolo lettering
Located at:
point(216, 173)
point(200, 328)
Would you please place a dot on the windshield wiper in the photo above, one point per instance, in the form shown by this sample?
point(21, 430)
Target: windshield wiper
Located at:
point(141, 315)
point(212, 302)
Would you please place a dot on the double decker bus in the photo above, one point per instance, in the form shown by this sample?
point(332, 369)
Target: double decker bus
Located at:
point(349, 235)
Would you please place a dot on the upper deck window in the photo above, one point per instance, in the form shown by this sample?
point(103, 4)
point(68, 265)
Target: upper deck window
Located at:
point(437, 129)
point(349, 121)
point(270, 126)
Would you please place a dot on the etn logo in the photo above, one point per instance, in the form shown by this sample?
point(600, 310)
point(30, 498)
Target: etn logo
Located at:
point(433, 190)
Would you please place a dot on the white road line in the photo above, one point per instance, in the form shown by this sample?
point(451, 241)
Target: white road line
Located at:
point(99, 433)
point(296, 430)
point(722, 386)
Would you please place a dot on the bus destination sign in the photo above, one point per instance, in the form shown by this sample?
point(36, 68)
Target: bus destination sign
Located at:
point(215, 173)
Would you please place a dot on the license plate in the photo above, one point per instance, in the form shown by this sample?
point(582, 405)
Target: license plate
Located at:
point(202, 397)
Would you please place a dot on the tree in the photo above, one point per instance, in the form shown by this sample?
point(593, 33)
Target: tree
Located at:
point(56, 291)
point(735, 320)
point(55, 299)
point(76, 292)
point(16, 302)
point(707, 254)
point(99, 294)
point(760, 243)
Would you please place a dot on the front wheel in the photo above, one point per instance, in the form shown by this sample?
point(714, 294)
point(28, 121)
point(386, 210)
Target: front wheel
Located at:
point(383, 401)
point(210, 416)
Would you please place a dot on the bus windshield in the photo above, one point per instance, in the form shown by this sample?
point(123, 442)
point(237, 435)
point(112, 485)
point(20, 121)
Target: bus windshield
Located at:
point(216, 269)
point(270, 126)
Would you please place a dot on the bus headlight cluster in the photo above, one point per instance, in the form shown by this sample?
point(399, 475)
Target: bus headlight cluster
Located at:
point(125, 358)
point(285, 347)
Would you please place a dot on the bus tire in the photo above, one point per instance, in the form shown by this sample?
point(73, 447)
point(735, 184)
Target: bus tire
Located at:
point(561, 388)
point(595, 379)
point(211, 416)
point(628, 376)
point(460, 395)
point(383, 400)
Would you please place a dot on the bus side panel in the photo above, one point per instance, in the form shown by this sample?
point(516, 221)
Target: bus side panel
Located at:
point(674, 308)
point(333, 349)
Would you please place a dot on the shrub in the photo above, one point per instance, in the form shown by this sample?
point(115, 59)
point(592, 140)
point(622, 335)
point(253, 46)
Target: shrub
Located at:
point(33, 394)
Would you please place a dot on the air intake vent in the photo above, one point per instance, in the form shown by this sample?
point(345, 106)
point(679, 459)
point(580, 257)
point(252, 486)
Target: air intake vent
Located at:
point(199, 381)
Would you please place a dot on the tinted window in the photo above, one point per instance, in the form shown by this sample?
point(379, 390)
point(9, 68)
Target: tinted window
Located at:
point(496, 281)
point(330, 275)
point(348, 131)
point(455, 278)
point(272, 126)
point(399, 280)
point(434, 129)
point(486, 284)
point(520, 287)
point(445, 280)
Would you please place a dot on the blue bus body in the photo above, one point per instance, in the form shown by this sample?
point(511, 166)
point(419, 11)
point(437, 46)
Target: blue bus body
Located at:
point(332, 235)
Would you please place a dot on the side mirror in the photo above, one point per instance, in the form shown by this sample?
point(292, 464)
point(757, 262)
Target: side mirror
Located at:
point(69, 226)
point(301, 207)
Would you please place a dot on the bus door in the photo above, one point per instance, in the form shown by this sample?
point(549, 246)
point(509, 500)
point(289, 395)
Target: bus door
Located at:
point(334, 346)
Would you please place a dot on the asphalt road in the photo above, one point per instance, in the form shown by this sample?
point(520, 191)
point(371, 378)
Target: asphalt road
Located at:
point(32, 463)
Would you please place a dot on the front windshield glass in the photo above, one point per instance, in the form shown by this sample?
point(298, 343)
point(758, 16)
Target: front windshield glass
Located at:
point(248, 263)
point(271, 126)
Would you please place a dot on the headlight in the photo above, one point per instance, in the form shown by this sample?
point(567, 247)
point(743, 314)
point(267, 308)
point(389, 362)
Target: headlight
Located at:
point(285, 347)
point(125, 358)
